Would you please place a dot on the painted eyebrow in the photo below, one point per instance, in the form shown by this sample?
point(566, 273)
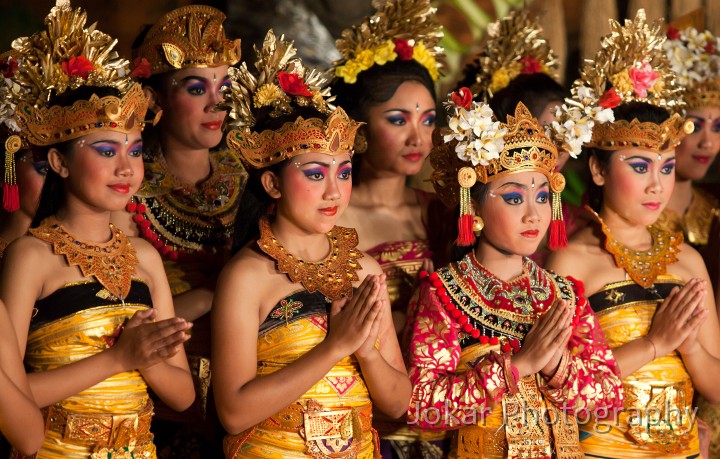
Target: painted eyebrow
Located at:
point(520, 185)
point(344, 163)
point(648, 160)
point(201, 79)
point(407, 112)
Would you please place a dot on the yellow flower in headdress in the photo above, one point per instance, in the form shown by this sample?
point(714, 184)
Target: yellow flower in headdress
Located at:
point(622, 82)
point(266, 95)
point(349, 71)
point(424, 58)
point(500, 79)
point(385, 53)
point(365, 59)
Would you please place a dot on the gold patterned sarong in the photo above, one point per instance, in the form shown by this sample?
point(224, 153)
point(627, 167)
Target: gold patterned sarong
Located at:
point(331, 420)
point(658, 419)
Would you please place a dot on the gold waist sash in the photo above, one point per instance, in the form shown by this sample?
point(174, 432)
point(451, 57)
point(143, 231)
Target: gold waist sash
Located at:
point(309, 429)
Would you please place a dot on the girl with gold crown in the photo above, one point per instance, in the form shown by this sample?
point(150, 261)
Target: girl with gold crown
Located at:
point(695, 59)
point(649, 289)
point(302, 349)
point(91, 307)
point(499, 344)
point(386, 79)
point(187, 205)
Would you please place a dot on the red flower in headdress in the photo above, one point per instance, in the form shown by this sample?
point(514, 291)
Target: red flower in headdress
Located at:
point(403, 49)
point(462, 98)
point(530, 65)
point(78, 66)
point(672, 33)
point(610, 99)
point(141, 68)
point(293, 85)
point(8, 67)
point(710, 48)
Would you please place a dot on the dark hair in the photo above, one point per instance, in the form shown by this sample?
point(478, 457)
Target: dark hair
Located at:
point(479, 193)
point(377, 85)
point(641, 111)
point(52, 196)
point(255, 202)
point(534, 90)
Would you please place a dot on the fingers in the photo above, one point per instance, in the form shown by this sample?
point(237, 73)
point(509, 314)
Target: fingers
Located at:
point(142, 316)
point(157, 331)
point(362, 293)
point(367, 303)
point(337, 306)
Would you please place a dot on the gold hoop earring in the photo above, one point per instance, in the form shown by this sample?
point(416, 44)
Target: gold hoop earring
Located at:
point(361, 144)
point(478, 225)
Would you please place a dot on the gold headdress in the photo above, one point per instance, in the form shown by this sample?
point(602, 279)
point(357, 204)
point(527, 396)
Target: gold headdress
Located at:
point(188, 37)
point(283, 85)
point(515, 46)
point(695, 59)
point(477, 148)
point(399, 29)
point(64, 57)
point(630, 67)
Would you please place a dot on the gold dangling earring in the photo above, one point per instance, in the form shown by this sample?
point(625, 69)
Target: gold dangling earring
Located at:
point(478, 225)
point(361, 144)
point(158, 115)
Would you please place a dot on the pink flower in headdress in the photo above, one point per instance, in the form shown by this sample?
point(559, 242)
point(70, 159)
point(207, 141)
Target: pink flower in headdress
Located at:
point(643, 78)
point(672, 33)
point(610, 99)
point(8, 67)
point(530, 65)
point(462, 98)
point(141, 68)
point(403, 49)
point(293, 85)
point(78, 66)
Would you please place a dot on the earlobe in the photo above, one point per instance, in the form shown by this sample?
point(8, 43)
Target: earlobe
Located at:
point(596, 171)
point(57, 163)
point(152, 96)
point(271, 184)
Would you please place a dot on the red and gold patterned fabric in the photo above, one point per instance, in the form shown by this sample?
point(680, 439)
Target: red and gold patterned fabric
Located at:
point(468, 323)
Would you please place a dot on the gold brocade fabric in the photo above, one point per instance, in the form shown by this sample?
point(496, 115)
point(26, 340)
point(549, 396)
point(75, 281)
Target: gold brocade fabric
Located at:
point(294, 327)
point(695, 224)
point(75, 337)
point(657, 420)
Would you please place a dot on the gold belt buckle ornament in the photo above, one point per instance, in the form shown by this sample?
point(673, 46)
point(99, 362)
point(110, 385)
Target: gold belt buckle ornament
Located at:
point(331, 433)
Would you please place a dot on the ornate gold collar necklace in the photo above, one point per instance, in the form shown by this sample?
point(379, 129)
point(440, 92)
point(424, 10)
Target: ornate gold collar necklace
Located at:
point(333, 276)
point(643, 266)
point(112, 263)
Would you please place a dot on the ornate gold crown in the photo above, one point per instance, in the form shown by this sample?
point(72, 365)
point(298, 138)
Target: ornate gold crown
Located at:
point(66, 56)
point(630, 67)
point(648, 136)
point(44, 126)
point(476, 148)
point(283, 86)
point(404, 29)
point(188, 37)
point(259, 150)
point(515, 46)
point(695, 59)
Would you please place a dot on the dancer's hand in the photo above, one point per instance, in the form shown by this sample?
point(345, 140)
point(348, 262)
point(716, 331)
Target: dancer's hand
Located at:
point(669, 327)
point(351, 321)
point(144, 343)
point(544, 344)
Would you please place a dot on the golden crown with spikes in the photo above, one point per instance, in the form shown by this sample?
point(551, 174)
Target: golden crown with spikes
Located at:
point(63, 57)
point(630, 67)
point(515, 45)
point(188, 37)
point(695, 59)
point(399, 29)
point(475, 147)
point(283, 86)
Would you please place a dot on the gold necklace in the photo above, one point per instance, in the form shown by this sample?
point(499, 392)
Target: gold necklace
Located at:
point(112, 263)
point(643, 266)
point(333, 276)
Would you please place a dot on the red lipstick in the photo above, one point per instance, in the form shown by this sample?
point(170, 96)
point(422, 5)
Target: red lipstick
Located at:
point(329, 211)
point(414, 157)
point(212, 125)
point(702, 159)
point(532, 234)
point(123, 188)
point(652, 205)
